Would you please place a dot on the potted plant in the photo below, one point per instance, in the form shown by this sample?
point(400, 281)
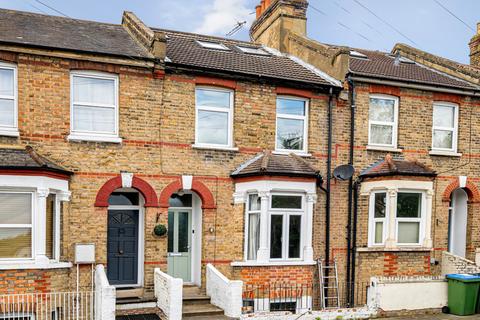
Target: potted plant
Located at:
point(160, 230)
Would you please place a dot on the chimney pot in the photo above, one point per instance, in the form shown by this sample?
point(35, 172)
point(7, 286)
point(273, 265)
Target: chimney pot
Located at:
point(478, 28)
point(267, 3)
point(262, 3)
point(258, 10)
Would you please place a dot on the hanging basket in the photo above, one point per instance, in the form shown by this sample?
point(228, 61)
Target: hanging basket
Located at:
point(160, 230)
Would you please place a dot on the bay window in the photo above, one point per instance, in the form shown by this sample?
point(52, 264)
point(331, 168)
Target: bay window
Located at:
point(379, 204)
point(94, 111)
point(8, 100)
point(253, 226)
point(383, 121)
point(214, 117)
point(445, 127)
point(292, 124)
point(409, 215)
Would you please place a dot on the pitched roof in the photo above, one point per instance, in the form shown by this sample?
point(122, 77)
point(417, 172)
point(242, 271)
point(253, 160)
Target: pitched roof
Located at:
point(268, 164)
point(38, 30)
point(183, 49)
point(397, 167)
point(27, 159)
point(383, 65)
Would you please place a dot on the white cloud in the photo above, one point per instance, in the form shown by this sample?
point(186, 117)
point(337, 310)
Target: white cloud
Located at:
point(223, 16)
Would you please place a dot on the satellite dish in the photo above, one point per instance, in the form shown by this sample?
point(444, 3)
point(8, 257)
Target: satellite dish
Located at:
point(343, 172)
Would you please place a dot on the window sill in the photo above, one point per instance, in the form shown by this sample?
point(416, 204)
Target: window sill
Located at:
point(298, 153)
point(271, 263)
point(81, 137)
point(220, 148)
point(380, 148)
point(9, 132)
point(444, 153)
point(396, 249)
point(12, 265)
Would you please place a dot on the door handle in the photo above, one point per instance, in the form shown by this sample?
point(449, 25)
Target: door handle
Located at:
point(120, 251)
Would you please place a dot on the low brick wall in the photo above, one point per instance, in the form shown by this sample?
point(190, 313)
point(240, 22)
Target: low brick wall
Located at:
point(275, 274)
point(455, 264)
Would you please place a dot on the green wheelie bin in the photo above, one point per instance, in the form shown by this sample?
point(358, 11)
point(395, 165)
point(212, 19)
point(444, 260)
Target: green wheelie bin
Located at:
point(463, 293)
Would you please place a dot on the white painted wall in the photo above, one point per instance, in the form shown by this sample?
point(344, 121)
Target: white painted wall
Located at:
point(343, 314)
point(407, 293)
point(105, 296)
point(225, 294)
point(169, 292)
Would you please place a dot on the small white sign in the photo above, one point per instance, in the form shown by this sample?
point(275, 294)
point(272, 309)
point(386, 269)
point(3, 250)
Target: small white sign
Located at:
point(84, 253)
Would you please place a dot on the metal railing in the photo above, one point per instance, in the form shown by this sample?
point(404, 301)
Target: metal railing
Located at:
point(48, 306)
point(297, 298)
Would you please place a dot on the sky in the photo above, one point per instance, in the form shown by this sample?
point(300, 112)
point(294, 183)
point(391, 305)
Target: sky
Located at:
point(442, 27)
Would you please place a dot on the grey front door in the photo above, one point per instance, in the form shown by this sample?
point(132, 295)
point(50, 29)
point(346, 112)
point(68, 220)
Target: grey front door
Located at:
point(179, 244)
point(122, 247)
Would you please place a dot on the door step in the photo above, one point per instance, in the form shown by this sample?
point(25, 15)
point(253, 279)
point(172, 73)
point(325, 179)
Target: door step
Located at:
point(129, 293)
point(201, 310)
point(196, 305)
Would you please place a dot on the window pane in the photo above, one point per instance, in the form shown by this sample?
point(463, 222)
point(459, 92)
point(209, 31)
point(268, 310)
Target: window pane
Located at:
point(7, 113)
point(180, 201)
point(212, 98)
point(294, 236)
point(15, 208)
point(286, 202)
point(253, 235)
point(15, 243)
point(380, 204)
point(6, 82)
point(183, 232)
point(442, 139)
point(409, 205)
point(254, 202)
point(382, 110)
point(381, 134)
point(276, 236)
point(93, 90)
point(408, 232)
point(50, 227)
point(124, 199)
point(170, 231)
point(444, 116)
point(94, 119)
point(213, 127)
point(378, 232)
point(290, 134)
point(289, 106)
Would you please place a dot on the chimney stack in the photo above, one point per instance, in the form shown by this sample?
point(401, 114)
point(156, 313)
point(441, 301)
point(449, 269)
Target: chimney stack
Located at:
point(475, 48)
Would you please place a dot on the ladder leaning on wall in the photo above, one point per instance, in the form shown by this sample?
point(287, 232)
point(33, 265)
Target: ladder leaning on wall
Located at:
point(329, 293)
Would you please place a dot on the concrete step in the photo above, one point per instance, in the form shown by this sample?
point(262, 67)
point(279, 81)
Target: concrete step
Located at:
point(197, 299)
point(201, 310)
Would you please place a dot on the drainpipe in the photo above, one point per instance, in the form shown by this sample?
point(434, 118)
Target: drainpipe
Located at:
point(328, 185)
point(351, 93)
point(354, 244)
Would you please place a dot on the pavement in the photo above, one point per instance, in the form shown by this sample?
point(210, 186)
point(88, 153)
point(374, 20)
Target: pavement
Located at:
point(440, 316)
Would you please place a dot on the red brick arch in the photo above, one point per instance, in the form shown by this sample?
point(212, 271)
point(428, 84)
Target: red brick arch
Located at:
point(470, 188)
point(208, 202)
point(141, 185)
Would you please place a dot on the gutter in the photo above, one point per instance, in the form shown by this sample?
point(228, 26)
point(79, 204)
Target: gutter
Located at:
point(413, 85)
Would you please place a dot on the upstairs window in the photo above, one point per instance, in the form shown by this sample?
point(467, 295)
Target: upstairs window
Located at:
point(292, 124)
point(383, 119)
point(8, 99)
point(94, 105)
point(445, 127)
point(214, 114)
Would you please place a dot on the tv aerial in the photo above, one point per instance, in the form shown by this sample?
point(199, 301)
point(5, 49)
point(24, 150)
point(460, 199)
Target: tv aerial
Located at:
point(237, 27)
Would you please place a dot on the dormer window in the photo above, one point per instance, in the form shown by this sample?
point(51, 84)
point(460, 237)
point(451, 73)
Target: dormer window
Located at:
point(253, 50)
point(356, 54)
point(212, 45)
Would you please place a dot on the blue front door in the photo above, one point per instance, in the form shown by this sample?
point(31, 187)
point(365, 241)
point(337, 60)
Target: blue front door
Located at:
point(122, 247)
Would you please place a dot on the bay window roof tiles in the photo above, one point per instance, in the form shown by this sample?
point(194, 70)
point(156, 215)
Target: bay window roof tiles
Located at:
point(397, 167)
point(27, 159)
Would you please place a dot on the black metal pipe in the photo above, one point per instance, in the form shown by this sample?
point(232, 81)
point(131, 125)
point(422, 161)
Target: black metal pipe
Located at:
point(354, 244)
point(351, 93)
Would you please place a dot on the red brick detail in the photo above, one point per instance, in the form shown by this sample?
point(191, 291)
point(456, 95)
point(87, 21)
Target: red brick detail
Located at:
point(447, 97)
point(275, 178)
point(470, 188)
point(217, 82)
point(208, 202)
point(141, 185)
point(285, 275)
point(8, 56)
point(382, 89)
point(159, 74)
point(295, 92)
point(89, 65)
point(390, 264)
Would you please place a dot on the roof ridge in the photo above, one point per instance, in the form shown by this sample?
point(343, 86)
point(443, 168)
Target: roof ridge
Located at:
point(302, 161)
point(247, 163)
point(186, 33)
point(265, 160)
point(35, 156)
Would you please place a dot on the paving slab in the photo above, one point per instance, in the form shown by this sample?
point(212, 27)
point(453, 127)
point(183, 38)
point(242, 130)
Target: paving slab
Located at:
point(440, 316)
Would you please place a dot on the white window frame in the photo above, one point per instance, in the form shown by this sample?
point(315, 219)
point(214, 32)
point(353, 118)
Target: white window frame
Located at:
point(286, 213)
point(11, 131)
point(304, 149)
point(212, 45)
point(95, 135)
point(229, 111)
point(454, 130)
point(420, 220)
point(249, 212)
point(372, 220)
point(393, 124)
point(31, 225)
